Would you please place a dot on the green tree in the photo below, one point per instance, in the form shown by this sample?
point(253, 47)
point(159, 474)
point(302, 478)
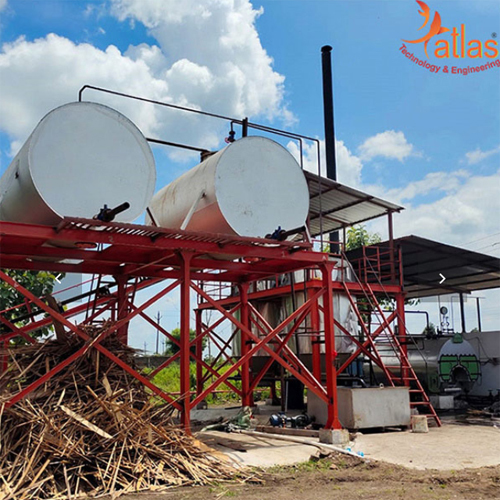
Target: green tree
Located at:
point(358, 236)
point(39, 283)
point(171, 348)
point(430, 331)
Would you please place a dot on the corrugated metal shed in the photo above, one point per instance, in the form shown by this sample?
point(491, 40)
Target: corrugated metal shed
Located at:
point(424, 261)
point(334, 205)
point(465, 271)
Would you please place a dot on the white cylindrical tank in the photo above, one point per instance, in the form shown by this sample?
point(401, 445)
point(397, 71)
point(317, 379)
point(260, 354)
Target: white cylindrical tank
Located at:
point(250, 188)
point(80, 157)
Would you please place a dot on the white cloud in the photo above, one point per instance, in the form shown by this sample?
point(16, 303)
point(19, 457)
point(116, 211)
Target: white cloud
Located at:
point(464, 214)
point(476, 156)
point(40, 75)
point(389, 144)
point(96, 10)
point(209, 57)
point(349, 166)
point(465, 217)
point(443, 182)
point(218, 35)
point(3, 4)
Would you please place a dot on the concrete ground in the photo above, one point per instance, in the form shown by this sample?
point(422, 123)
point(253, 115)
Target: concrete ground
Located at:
point(450, 447)
point(259, 451)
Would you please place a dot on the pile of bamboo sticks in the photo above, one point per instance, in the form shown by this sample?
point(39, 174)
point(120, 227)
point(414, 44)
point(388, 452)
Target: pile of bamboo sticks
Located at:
point(91, 429)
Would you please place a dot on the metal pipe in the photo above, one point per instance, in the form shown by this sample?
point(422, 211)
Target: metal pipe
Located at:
point(421, 312)
point(478, 314)
point(342, 377)
point(331, 166)
point(326, 58)
point(244, 123)
point(177, 145)
point(462, 311)
point(308, 442)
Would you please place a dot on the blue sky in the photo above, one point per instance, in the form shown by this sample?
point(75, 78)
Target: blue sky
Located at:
point(428, 141)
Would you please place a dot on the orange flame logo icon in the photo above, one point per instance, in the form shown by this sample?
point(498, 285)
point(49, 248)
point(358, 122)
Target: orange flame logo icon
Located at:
point(436, 28)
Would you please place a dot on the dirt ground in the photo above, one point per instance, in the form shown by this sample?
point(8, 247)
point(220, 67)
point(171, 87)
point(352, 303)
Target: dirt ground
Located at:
point(453, 462)
point(347, 478)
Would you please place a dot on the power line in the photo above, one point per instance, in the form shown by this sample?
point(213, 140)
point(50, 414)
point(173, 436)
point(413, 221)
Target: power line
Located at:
point(487, 246)
point(480, 239)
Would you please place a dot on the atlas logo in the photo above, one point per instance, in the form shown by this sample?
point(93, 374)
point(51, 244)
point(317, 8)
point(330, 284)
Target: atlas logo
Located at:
point(458, 47)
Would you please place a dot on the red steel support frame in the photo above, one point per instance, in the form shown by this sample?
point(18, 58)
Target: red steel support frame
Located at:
point(185, 345)
point(400, 308)
point(315, 339)
point(153, 255)
point(90, 342)
point(199, 352)
point(330, 353)
point(245, 346)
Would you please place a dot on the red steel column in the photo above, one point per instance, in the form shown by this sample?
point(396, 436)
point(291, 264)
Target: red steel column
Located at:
point(199, 353)
point(121, 306)
point(391, 249)
point(315, 338)
point(246, 394)
point(184, 342)
point(400, 307)
point(330, 353)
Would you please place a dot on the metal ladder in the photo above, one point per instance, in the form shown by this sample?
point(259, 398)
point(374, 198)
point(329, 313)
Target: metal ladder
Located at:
point(406, 376)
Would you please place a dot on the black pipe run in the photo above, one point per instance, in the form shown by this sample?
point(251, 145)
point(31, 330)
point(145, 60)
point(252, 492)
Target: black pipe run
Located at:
point(331, 165)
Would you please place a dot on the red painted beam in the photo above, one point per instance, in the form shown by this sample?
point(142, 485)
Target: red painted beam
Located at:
point(333, 421)
point(16, 331)
point(180, 240)
point(90, 343)
point(288, 354)
point(184, 343)
point(260, 343)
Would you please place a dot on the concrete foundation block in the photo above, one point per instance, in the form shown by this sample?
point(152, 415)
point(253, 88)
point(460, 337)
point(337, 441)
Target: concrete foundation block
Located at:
point(443, 402)
point(364, 408)
point(419, 423)
point(339, 437)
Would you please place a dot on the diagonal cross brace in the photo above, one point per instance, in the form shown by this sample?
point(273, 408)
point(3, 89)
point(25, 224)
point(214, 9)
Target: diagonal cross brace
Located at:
point(270, 361)
point(260, 343)
point(90, 342)
point(286, 350)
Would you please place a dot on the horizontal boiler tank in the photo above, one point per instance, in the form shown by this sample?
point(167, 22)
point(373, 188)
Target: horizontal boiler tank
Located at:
point(250, 188)
point(80, 157)
point(439, 363)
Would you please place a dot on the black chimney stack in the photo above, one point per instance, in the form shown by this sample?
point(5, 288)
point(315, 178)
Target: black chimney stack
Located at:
point(331, 165)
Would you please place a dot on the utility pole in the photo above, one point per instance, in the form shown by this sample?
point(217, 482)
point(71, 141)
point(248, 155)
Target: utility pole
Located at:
point(158, 318)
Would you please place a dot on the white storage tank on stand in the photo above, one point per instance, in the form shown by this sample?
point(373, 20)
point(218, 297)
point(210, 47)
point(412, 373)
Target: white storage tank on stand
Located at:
point(80, 157)
point(249, 188)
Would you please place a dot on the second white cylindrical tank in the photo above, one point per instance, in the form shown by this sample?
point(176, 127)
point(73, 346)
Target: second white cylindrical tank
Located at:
point(80, 157)
point(250, 188)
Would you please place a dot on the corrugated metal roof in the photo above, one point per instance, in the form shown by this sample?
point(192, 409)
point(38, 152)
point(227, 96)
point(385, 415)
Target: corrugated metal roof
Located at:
point(465, 271)
point(425, 262)
point(334, 205)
